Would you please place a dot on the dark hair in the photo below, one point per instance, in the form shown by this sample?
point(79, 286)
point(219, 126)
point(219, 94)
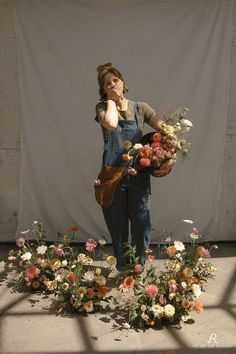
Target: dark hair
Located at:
point(103, 70)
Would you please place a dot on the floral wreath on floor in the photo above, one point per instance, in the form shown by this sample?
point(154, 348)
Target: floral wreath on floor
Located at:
point(150, 296)
point(73, 275)
point(79, 277)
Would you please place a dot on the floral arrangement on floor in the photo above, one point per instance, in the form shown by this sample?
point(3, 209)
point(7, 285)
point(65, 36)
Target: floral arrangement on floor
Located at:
point(156, 148)
point(79, 278)
point(75, 277)
point(150, 296)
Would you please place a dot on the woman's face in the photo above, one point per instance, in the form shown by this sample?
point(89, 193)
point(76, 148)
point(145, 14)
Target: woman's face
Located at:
point(111, 82)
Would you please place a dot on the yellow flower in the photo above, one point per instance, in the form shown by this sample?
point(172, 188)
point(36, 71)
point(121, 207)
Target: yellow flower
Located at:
point(188, 272)
point(168, 129)
point(51, 285)
point(54, 264)
point(88, 306)
point(81, 291)
point(65, 286)
point(185, 303)
point(111, 260)
point(127, 144)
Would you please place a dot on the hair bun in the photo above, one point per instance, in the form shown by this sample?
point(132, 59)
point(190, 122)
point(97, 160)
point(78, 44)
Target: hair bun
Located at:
point(103, 67)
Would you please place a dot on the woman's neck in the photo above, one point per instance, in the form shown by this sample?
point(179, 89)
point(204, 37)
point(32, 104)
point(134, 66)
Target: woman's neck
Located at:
point(122, 104)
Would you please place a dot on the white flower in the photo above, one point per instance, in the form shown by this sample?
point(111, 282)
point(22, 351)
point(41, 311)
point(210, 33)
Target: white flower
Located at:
point(188, 221)
point(2, 266)
point(186, 123)
point(171, 296)
point(194, 236)
point(42, 249)
point(26, 256)
point(59, 278)
point(157, 310)
point(98, 271)
point(81, 258)
point(89, 276)
point(185, 318)
point(184, 284)
point(196, 289)
point(25, 232)
point(35, 222)
point(137, 146)
point(100, 280)
point(169, 310)
point(126, 325)
point(64, 263)
point(179, 245)
point(102, 242)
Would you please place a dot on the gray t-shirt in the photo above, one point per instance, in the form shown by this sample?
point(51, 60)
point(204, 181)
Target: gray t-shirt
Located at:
point(146, 112)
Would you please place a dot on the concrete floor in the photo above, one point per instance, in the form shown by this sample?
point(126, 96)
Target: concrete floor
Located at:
point(29, 323)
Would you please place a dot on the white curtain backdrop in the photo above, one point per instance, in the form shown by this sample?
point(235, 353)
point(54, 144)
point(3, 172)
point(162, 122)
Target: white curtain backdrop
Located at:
point(171, 53)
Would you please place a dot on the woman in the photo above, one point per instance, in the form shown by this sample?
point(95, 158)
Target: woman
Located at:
point(123, 192)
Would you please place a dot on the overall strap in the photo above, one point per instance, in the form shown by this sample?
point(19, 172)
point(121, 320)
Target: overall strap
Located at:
point(137, 114)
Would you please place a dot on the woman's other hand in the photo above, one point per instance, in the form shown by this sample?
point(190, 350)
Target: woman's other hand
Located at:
point(165, 168)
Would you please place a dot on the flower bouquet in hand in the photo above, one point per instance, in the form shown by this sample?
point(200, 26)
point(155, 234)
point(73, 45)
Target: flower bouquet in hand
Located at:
point(151, 297)
point(156, 148)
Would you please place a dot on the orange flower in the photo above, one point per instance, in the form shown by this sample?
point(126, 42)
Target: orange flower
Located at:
point(200, 250)
point(102, 291)
point(171, 282)
point(149, 323)
point(71, 277)
point(73, 229)
point(171, 250)
point(35, 284)
point(181, 276)
point(127, 284)
point(192, 280)
point(188, 272)
point(198, 307)
point(126, 157)
point(90, 293)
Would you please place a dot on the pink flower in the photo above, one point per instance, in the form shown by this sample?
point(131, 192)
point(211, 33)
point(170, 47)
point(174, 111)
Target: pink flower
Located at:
point(150, 258)
point(39, 261)
point(206, 254)
point(90, 245)
point(172, 288)
point(145, 162)
point(138, 268)
point(162, 300)
point(20, 241)
point(31, 273)
point(157, 137)
point(59, 251)
point(151, 291)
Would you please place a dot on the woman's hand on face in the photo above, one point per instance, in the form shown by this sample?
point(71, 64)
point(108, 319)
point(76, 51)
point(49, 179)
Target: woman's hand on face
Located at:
point(116, 92)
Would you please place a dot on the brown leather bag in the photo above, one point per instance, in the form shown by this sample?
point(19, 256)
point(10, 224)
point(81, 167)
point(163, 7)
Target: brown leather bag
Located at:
point(109, 178)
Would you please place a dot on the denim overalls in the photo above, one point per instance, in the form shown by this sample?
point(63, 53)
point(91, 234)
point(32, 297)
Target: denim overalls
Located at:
point(132, 198)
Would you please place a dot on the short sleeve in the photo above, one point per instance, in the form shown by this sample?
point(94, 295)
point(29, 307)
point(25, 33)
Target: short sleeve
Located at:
point(100, 111)
point(146, 111)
